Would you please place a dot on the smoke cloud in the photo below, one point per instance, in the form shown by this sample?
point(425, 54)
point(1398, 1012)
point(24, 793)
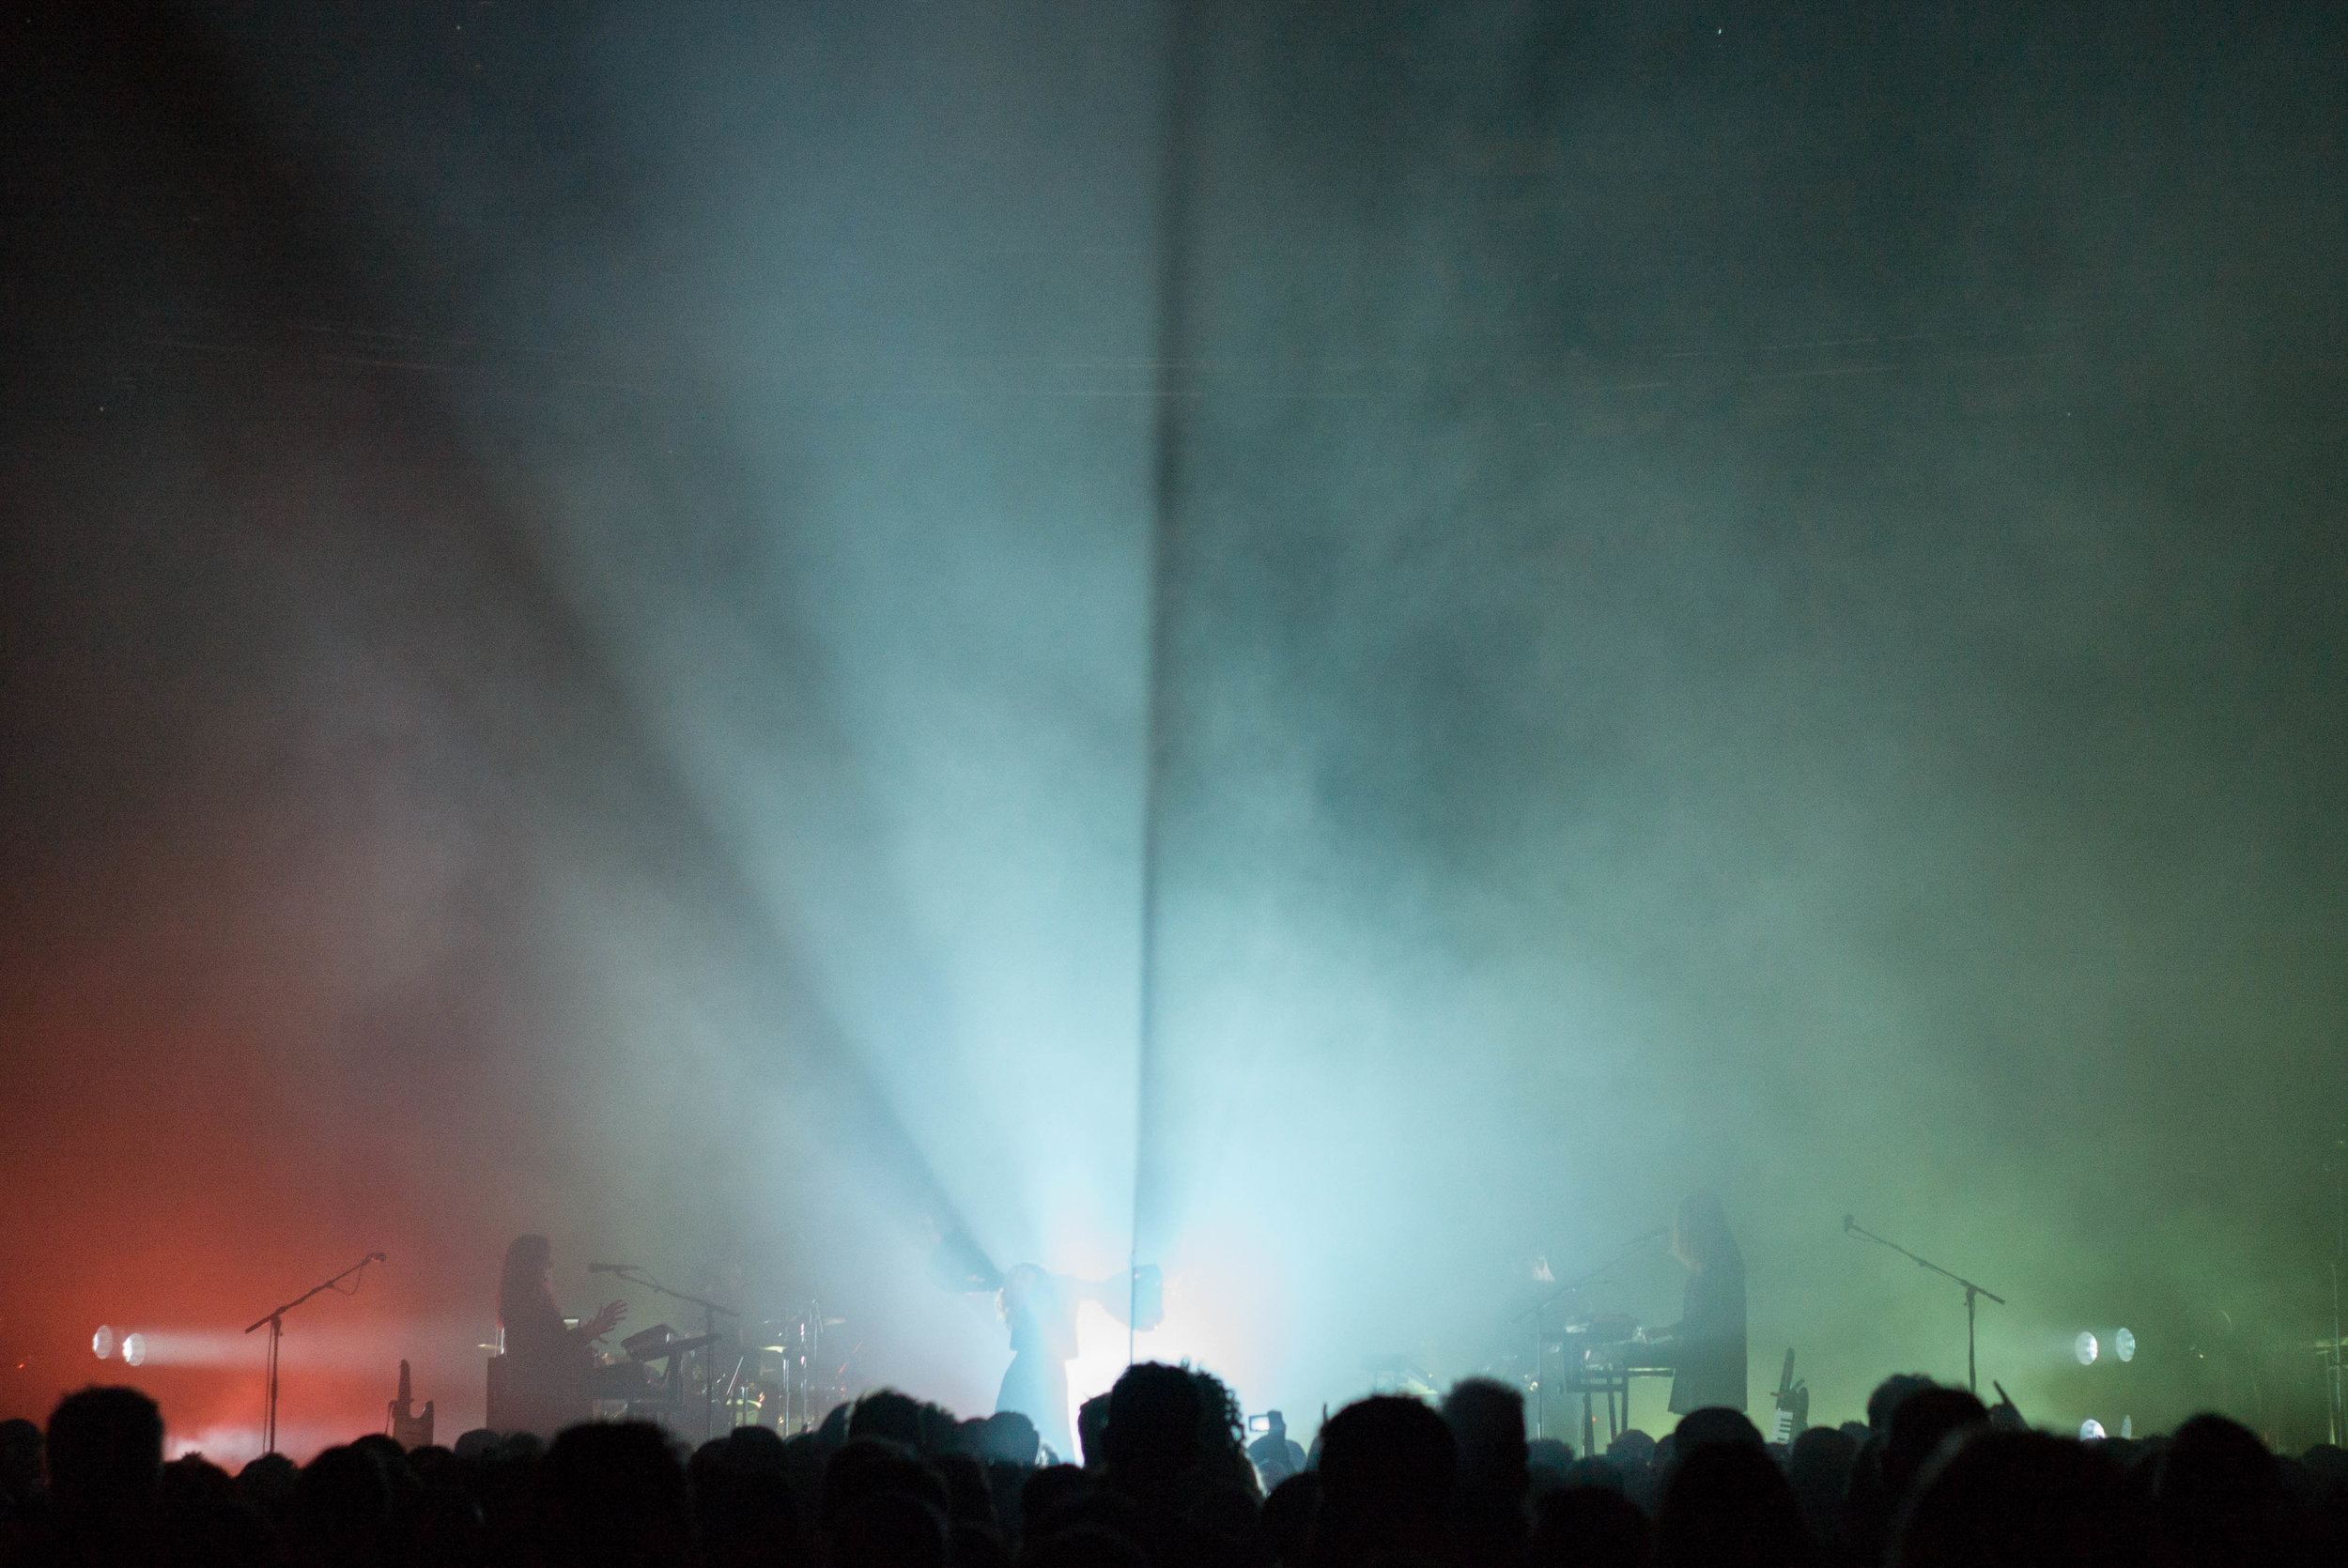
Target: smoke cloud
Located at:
point(1748, 602)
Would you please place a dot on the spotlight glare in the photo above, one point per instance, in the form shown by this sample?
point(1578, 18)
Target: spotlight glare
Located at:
point(2090, 1431)
point(2123, 1346)
point(2084, 1347)
point(134, 1349)
point(102, 1342)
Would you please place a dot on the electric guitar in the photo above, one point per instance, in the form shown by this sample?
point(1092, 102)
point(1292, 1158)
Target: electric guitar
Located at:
point(408, 1429)
point(1793, 1404)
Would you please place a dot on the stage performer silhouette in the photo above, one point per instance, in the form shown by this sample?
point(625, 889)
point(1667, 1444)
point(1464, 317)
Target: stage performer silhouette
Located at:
point(549, 1366)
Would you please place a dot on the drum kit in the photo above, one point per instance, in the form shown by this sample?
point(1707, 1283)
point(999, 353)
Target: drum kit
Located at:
point(793, 1380)
point(786, 1374)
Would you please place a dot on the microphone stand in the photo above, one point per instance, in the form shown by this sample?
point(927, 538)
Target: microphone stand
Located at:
point(1972, 1291)
point(2337, 1401)
point(275, 1323)
point(1540, 1344)
point(711, 1311)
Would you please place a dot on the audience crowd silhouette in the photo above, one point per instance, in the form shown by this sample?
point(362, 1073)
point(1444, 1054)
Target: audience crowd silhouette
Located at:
point(1931, 1479)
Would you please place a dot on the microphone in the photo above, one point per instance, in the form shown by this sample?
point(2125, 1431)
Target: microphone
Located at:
point(609, 1268)
point(1846, 1224)
point(376, 1258)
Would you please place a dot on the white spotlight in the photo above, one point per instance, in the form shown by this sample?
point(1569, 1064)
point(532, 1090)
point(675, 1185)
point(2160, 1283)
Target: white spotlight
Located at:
point(2084, 1347)
point(134, 1349)
point(2090, 1431)
point(102, 1342)
point(2123, 1346)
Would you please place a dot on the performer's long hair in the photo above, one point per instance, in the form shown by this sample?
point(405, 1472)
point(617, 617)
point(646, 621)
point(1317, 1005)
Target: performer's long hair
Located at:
point(1700, 1236)
point(523, 1280)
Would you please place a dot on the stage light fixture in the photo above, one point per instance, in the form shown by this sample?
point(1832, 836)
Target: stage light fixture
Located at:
point(2085, 1347)
point(2124, 1345)
point(134, 1349)
point(2090, 1431)
point(102, 1342)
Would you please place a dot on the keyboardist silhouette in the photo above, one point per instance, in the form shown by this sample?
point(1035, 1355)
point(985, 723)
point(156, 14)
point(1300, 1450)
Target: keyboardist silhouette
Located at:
point(1705, 1348)
point(548, 1367)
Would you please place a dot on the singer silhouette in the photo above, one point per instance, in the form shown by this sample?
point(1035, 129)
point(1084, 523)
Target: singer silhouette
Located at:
point(550, 1376)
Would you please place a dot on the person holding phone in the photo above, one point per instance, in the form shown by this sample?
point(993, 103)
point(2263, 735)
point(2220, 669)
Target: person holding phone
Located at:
point(1274, 1453)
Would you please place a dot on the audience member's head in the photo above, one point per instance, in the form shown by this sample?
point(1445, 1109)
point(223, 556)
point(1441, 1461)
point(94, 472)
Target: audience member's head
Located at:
point(888, 1414)
point(20, 1460)
point(268, 1483)
point(865, 1466)
point(833, 1430)
point(1590, 1527)
point(1487, 1421)
point(968, 1498)
point(1819, 1469)
point(105, 1452)
point(342, 1509)
point(1221, 1450)
point(2020, 1500)
point(1933, 1483)
point(1153, 1432)
point(1726, 1503)
point(1288, 1513)
point(204, 1523)
point(756, 1448)
point(1546, 1461)
point(1008, 1435)
point(479, 1443)
point(743, 1503)
point(1600, 1473)
point(1919, 1424)
point(1714, 1423)
point(193, 1481)
point(1633, 1450)
point(2222, 1496)
point(1085, 1548)
point(1887, 1398)
point(612, 1495)
point(889, 1530)
point(1047, 1493)
point(940, 1432)
point(1486, 1425)
point(2214, 1467)
point(1388, 1464)
point(1092, 1421)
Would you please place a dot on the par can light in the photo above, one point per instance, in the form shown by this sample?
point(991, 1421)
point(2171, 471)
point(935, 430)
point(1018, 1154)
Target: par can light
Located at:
point(102, 1343)
point(2091, 1430)
point(2084, 1347)
point(2124, 1345)
point(134, 1349)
